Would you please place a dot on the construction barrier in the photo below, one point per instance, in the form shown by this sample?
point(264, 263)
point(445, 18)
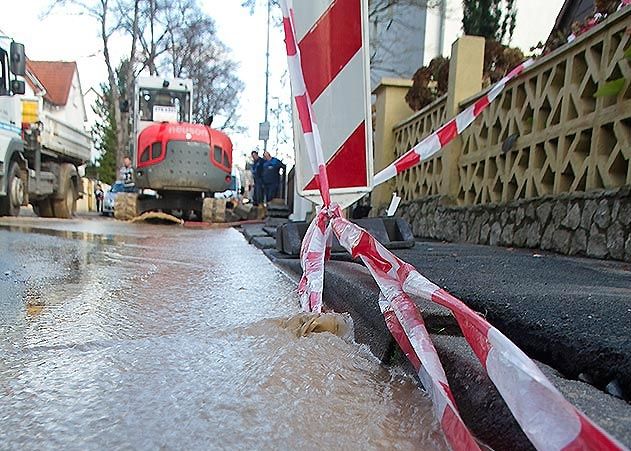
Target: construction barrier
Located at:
point(549, 421)
point(303, 103)
point(404, 320)
point(313, 253)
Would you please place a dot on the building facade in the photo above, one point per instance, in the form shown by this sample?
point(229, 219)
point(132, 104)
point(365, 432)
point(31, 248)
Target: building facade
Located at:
point(58, 82)
point(406, 35)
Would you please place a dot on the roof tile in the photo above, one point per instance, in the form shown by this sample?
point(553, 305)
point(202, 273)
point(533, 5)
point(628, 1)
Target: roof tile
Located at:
point(56, 76)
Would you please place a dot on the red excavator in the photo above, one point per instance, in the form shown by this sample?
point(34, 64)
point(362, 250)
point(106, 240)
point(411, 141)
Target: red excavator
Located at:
point(177, 163)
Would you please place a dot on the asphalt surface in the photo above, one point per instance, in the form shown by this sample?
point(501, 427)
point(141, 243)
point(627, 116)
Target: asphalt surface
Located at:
point(573, 314)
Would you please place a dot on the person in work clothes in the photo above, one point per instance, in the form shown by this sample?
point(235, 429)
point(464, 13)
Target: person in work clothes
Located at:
point(126, 175)
point(271, 175)
point(257, 174)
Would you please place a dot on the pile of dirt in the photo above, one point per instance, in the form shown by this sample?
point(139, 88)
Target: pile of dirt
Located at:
point(158, 217)
point(304, 324)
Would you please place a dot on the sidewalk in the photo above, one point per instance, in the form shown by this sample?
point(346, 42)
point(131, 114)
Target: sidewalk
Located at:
point(571, 314)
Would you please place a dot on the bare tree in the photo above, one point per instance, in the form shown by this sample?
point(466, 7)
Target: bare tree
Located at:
point(179, 39)
point(106, 14)
point(152, 29)
point(171, 36)
point(193, 51)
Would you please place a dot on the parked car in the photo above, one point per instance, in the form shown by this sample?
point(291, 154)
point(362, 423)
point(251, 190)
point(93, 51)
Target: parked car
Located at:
point(110, 197)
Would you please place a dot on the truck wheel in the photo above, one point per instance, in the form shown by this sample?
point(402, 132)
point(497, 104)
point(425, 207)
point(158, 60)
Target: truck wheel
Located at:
point(66, 206)
point(43, 208)
point(10, 204)
point(126, 206)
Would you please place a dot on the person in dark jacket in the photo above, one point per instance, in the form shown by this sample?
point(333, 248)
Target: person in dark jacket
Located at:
point(99, 195)
point(271, 175)
point(257, 174)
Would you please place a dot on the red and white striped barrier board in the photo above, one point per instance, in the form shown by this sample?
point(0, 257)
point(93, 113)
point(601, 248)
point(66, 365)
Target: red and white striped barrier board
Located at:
point(310, 132)
point(546, 417)
point(448, 132)
point(330, 38)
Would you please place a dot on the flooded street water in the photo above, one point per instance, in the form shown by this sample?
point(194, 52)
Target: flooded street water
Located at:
point(144, 337)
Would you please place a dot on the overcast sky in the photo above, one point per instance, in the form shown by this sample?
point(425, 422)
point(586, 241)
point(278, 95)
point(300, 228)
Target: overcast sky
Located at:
point(74, 38)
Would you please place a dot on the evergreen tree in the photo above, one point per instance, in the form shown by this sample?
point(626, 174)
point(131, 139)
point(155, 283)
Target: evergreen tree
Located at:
point(491, 19)
point(104, 135)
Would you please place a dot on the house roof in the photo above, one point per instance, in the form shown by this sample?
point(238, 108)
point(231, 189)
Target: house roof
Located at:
point(55, 76)
point(571, 11)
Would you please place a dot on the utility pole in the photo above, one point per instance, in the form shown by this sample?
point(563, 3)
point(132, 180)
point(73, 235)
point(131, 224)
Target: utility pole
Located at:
point(264, 127)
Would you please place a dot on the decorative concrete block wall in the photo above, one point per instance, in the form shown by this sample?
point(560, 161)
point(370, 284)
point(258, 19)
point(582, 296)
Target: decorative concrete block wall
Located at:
point(547, 165)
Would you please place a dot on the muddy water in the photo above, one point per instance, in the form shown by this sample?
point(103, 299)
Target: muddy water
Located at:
point(158, 337)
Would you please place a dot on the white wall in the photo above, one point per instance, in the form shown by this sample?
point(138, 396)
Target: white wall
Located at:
point(73, 113)
point(444, 26)
point(410, 37)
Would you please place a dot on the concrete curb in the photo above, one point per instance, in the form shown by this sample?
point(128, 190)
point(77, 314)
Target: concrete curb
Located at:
point(253, 231)
point(349, 287)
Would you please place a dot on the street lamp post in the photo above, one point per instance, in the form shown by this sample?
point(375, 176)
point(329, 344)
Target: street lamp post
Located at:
point(265, 133)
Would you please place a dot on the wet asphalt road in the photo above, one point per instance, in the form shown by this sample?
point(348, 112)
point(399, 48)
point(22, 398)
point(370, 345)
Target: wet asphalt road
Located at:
point(137, 336)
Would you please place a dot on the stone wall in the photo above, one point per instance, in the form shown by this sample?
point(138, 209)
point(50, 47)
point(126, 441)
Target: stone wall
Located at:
point(596, 224)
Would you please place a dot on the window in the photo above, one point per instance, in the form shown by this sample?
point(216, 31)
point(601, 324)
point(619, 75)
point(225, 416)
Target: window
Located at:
point(4, 73)
point(176, 100)
point(156, 150)
point(144, 155)
point(75, 89)
point(218, 154)
point(226, 160)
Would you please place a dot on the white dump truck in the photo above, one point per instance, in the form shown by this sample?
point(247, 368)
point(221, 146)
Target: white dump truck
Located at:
point(40, 149)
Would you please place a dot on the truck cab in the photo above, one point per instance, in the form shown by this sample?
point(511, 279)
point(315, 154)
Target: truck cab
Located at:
point(40, 146)
point(12, 163)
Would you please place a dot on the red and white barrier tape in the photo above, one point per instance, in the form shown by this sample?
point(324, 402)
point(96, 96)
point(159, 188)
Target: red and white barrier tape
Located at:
point(546, 417)
point(303, 103)
point(548, 420)
point(448, 132)
point(407, 327)
point(314, 251)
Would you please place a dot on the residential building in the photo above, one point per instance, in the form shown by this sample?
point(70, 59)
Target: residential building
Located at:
point(59, 84)
point(406, 35)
